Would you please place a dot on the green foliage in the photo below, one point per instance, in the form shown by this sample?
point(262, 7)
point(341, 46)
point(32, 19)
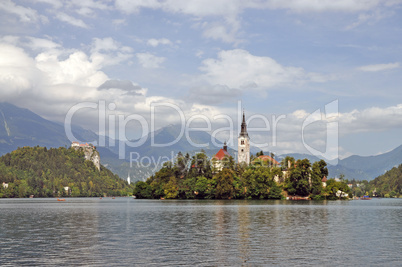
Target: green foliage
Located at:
point(224, 184)
point(333, 187)
point(45, 172)
point(170, 189)
point(319, 170)
point(298, 181)
point(389, 184)
point(142, 190)
point(193, 179)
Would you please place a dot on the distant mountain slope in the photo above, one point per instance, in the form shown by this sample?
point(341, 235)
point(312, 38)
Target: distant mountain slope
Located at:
point(367, 168)
point(20, 127)
point(358, 167)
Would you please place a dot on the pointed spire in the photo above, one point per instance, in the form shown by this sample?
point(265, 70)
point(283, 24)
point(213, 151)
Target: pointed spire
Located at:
point(244, 126)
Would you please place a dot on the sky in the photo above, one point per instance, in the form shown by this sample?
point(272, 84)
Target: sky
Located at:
point(311, 76)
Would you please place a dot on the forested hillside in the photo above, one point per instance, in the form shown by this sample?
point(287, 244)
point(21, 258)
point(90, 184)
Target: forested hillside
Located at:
point(389, 184)
point(46, 172)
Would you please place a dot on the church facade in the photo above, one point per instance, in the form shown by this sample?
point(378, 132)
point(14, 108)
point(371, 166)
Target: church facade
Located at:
point(243, 144)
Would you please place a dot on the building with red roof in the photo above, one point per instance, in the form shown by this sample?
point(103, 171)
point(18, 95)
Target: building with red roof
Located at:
point(266, 159)
point(218, 159)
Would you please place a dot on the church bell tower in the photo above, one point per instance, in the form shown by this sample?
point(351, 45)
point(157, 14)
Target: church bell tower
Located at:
point(243, 145)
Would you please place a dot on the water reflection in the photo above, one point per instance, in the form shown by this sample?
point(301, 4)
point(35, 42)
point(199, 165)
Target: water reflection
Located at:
point(226, 233)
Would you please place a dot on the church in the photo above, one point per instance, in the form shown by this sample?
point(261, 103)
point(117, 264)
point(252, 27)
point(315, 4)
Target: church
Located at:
point(243, 148)
point(243, 144)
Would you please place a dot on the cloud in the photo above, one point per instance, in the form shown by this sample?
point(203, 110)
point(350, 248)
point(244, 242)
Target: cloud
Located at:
point(240, 69)
point(123, 85)
point(379, 67)
point(17, 71)
point(108, 52)
point(371, 119)
point(221, 31)
point(105, 44)
point(155, 42)
point(53, 78)
point(54, 3)
point(25, 14)
point(149, 61)
point(213, 95)
point(222, 15)
point(50, 80)
point(71, 20)
point(346, 6)
point(221, 20)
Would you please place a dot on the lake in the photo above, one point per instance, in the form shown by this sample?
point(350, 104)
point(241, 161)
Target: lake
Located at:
point(126, 231)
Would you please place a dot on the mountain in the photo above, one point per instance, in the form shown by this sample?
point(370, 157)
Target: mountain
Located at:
point(358, 167)
point(367, 168)
point(297, 156)
point(20, 127)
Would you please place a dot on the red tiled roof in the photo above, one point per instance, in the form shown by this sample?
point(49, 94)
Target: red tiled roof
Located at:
point(324, 179)
point(221, 154)
point(268, 158)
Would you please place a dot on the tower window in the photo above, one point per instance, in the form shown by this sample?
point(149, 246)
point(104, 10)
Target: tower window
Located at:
point(242, 150)
point(242, 142)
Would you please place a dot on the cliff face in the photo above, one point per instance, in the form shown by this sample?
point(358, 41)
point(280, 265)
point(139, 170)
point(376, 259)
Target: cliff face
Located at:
point(90, 153)
point(93, 155)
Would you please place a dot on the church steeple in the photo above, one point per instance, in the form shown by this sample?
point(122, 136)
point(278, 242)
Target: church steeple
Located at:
point(243, 144)
point(243, 131)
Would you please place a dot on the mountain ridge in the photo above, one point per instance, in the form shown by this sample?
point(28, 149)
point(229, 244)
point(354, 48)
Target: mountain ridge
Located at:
point(21, 127)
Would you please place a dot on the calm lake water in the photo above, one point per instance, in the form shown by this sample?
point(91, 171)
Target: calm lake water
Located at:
point(124, 231)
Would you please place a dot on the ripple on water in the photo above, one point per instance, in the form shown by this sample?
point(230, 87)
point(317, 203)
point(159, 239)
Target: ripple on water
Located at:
point(226, 233)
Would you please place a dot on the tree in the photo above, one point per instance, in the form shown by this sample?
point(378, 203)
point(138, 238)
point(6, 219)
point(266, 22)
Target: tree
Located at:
point(319, 170)
point(170, 189)
point(201, 186)
point(224, 184)
point(142, 190)
point(298, 181)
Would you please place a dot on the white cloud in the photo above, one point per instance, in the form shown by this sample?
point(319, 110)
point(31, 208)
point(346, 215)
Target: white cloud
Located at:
point(17, 71)
point(107, 51)
point(239, 69)
point(221, 31)
point(71, 20)
point(54, 3)
point(379, 67)
point(149, 61)
point(220, 20)
point(54, 78)
point(25, 14)
point(347, 6)
point(371, 119)
point(155, 42)
point(105, 44)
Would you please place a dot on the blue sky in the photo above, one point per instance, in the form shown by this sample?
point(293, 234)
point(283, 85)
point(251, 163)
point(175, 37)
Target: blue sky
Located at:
point(278, 58)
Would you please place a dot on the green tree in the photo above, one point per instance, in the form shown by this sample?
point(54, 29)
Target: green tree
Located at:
point(298, 181)
point(224, 184)
point(142, 190)
point(170, 189)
